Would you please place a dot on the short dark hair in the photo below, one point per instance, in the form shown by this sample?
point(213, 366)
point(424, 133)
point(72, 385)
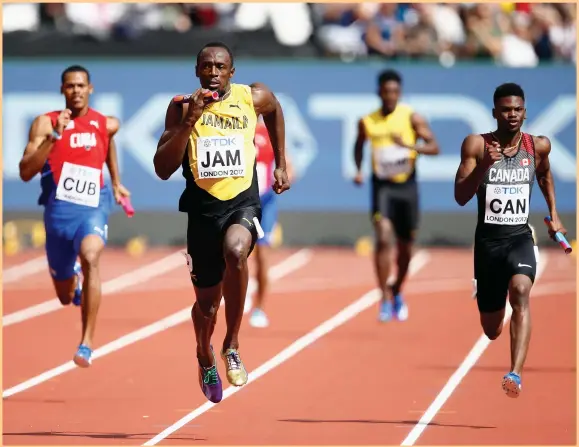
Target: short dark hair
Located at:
point(216, 44)
point(389, 75)
point(74, 69)
point(508, 89)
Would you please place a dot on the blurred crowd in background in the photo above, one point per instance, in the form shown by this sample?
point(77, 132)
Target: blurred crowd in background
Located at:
point(511, 34)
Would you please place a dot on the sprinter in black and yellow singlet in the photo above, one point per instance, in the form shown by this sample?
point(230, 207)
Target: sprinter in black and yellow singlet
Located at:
point(393, 130)
point(213, 141)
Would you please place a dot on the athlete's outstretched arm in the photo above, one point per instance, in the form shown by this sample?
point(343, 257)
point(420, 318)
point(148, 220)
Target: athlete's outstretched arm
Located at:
point(179, 122)
point(265, 103)
point(40, 143)
point(113, 126)
point(470, 172)
point(545, 181)
point(359, 150)
point(119, 190)
point(424, 132)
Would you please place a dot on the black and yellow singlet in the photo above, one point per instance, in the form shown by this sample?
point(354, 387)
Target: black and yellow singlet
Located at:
point(389, 161)
point(219, 163)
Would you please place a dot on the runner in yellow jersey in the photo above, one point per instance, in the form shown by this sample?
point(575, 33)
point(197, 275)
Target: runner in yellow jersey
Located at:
point(212, 140)
point(393, 130)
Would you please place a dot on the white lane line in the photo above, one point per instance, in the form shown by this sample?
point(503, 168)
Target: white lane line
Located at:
point(134, 277)
point(368, 300)
point(470, 360)
point(292, 263)
point(16, 272)
point(285, 267)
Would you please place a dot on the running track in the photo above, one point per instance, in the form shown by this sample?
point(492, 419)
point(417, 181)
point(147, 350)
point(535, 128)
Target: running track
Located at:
point(348, 380)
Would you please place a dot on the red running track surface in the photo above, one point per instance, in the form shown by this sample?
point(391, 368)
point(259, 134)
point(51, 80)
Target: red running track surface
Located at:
point(359, 382)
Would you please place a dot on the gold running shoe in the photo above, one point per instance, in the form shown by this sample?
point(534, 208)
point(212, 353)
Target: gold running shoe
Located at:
point(236, 373)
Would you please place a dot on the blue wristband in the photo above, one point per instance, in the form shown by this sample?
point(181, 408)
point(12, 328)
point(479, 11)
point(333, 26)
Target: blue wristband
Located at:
point(56, 135)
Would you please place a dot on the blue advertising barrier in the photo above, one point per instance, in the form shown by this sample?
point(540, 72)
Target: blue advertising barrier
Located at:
point(322, 103)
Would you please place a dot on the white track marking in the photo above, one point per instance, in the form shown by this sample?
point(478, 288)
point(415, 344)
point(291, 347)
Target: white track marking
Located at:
point(292, 263)
point(124, 281)
point(470, 360)
point(285, 267)
point(24, 269)
point(368, 300)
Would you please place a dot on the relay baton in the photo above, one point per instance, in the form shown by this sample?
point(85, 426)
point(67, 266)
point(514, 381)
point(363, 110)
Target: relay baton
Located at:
point(179, 99)
point(560, 237)
point(126, 204)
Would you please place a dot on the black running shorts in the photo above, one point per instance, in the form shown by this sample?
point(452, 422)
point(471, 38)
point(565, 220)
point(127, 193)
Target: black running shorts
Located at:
point(397, 202)
point(496, 262)
point(205, 237)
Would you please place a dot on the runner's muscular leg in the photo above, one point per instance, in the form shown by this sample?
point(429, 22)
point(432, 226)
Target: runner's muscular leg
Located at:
point(492, 323)
point(206, 266)
point(523, 264)
point(237, 248)
point(490, 271)
point(520, 327)
point(491, 300)
point(404, 249)
point(405, 221)
point(61, 258)
point(65, 289)
point(204, 317)
point(90, 251)
point(384, 232)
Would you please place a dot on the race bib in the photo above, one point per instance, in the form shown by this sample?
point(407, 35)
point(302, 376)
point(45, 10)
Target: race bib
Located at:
point(220, 157)
point(79, 184)
point(507, 204)
point(391, 161)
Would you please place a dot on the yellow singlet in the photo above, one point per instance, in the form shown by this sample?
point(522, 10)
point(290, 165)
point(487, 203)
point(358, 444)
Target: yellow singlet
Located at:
point(390, 161)
point(221, 151)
